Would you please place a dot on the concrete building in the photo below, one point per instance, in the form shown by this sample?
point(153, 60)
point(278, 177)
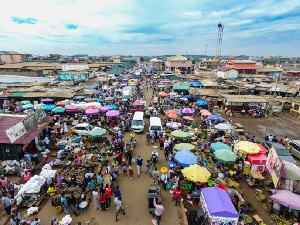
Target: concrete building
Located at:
point(226, 73)
point(209, 64)
point(178, 63)
point(293, 73)
point(116, 58)
point(273, 71)
point(242, 66)
point(8, 57)
point(25, 56)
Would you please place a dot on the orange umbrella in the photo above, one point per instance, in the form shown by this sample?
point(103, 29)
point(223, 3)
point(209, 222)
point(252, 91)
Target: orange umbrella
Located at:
point(171, 112)
point(163, 94)
point(188, 118)
point(262, 149)
point(172, 116)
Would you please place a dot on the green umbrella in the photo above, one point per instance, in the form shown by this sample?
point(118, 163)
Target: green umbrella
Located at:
point(58, 110)
point(225, 156)
point(184, 146)
point(178, 134)
point(97, 133)
point(26, 102)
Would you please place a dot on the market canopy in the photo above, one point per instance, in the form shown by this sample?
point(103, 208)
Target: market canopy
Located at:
point(181, 87)
point(290, 171)
point(187, 110)
point(47, 100)
point(196, 173)
point(58, 110)
point(219, 145)
point(178, 134)
point(112, 113)
point(247, 147)
point(287, 198)
point(218, 203)
point(97, 133)
point(163, 94)
point(225, 156)
point(258, 159)
point(72, 107)
point(184, 146)
point(92, 112)
point(201, 102)
point(185, 158)
point(26, 102)
point(112, 106)
point(262, 149)
point(48, 107)
point(216, 118)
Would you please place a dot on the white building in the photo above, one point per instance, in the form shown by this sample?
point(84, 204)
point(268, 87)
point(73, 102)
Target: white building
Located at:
point(226, 73)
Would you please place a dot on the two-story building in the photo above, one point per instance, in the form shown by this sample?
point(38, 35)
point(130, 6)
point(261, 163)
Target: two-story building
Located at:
point(178, 63)
point(242, 66)
point(209, 64)
point(8, 57)
point(273, 71)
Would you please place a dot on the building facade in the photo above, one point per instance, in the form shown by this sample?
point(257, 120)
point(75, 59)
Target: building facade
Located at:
point(8, 57)
point(270, 71)
point(226, 73)
point(178, 63)
point(242, 66)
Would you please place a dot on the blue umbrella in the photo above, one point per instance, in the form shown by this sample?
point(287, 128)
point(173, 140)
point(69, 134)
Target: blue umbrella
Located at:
point(167, 99)
point(27, 106)
point(217, 118)
point(185, 158)
point(48, 107)
point(99, 100)
point(201, 103)
point(187, 96)
point(112, 106)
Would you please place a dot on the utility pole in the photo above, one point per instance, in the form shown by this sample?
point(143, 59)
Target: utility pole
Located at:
point(272, 102)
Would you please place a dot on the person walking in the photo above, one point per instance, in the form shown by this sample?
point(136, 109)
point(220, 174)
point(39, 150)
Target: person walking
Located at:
point(139, 162)
point(95, 195)
point(130, 168)
point(148, 167)
point(6, 203)
point(102, 200)
point(159, 210)
point(177, 195)
point(74, 204)
point(119, 209)
point(108, 195)
point(155, 175)
point(64, 203)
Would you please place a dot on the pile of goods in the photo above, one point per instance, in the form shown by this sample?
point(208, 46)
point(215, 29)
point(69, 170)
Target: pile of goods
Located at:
point(281, 220)
point(8, 166)
point(249, 182)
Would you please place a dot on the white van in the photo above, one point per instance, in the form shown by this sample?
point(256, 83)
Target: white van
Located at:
point(295, 148)
point(155, 124)
point(82, 128)
point(138, 123)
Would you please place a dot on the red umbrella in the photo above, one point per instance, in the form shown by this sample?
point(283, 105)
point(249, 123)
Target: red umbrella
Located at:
point(262, 149)
point(172, 115)
point(163, 94)
point(222, 186)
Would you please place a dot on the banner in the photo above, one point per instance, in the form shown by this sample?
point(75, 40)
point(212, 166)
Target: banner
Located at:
point(275, 166)
point(32, 120)
point(11, 135)
point(19, 130)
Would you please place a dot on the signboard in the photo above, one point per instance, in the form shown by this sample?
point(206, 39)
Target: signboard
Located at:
point(11, 135)
point(32, 120)
point(19, 130)
point(274, 166)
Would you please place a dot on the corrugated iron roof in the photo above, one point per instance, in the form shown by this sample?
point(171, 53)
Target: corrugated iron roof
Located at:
point(18, 94)
point(6, 122)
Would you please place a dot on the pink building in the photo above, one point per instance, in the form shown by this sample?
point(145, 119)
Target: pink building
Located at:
point(178, 63)
point(242, 66)
point(8, 57)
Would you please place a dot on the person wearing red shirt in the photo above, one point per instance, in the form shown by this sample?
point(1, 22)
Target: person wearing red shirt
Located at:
point(161, 142)
point(108, 195)
point(177, 194)
point(102, 200)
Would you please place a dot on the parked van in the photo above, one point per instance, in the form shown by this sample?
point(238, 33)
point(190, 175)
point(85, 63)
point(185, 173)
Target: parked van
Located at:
point(82, 128)
point(295, 148)
point(155, 124)
point(138, 123)
point(126, 94)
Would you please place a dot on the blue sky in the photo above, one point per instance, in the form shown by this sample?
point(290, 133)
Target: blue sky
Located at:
point(150, 27)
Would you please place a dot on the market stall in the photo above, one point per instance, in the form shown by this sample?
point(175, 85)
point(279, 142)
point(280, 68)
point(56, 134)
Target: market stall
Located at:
point(258, 162)
point(218, 207)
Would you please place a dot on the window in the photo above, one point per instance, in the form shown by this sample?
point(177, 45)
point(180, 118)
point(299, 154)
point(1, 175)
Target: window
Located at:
point(183, 62)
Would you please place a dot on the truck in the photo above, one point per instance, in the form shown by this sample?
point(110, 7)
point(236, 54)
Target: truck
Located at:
point(126, 94)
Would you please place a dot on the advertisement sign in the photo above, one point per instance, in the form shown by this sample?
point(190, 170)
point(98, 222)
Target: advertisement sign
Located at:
point(19, 130)
point(29, 122)
point(274, 166)
point(258, 167)
point(11, 135)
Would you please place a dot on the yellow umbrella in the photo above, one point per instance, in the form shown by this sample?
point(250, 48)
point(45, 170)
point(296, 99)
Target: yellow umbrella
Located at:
point(247, 147)
point(196, 173)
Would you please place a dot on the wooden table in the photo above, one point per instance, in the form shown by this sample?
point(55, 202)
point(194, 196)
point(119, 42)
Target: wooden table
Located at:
point(240, 131)
point(239, 125)
point(256, 175)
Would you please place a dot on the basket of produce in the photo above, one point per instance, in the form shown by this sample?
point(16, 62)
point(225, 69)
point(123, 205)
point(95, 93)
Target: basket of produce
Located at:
point(266, 207)
point(259, 195)
point(250, 206)
point(58, 210)
point(248, 219)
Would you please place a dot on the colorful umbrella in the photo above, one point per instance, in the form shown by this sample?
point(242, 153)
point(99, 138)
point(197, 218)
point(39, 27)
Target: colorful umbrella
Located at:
point(187, 96)
point(219, 145)
point(262, 149)
point(172, 116)
point(48, 107)
point(112, 106)
point(163, 94)
point(98, 99)
point(167, 99)
point(26, 102)
point(203, 110)
point(290, 171)
point(92, 111)
point(97, 133)
point(201, 103)
point(225, 156)
point(105, 109)
point(187, 110)
point(247, 147)
point(90, 107)
point(174, 125)
point(189, 118)
point(217, 118)
point(178, 134)
point(206, 113)
point(287, 199)
point(184, 99)
point(113, 113)
point(72, 107)
point(90, 100)
point(185, 158)
point(47, 100)
point(184, 146)
point(28, 106)
point(58, 110)
point(196, 173)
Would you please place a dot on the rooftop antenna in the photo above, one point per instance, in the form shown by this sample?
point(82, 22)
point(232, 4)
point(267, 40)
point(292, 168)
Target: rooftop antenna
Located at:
point(219, 41)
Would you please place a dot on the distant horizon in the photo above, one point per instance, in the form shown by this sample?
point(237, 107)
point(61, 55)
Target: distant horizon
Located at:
point(132, 27)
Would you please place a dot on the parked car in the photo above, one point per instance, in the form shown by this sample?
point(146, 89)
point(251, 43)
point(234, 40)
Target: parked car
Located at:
point(82, 128)
point(295, 148)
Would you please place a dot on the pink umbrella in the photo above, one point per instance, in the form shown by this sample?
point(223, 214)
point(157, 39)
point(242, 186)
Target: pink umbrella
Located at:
point(105, 109)
point(203, 110)
point(92, 112)
point(113, 113)
point(189, 118)
point(72, 107)
point(187, 110)
point(206, 113)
